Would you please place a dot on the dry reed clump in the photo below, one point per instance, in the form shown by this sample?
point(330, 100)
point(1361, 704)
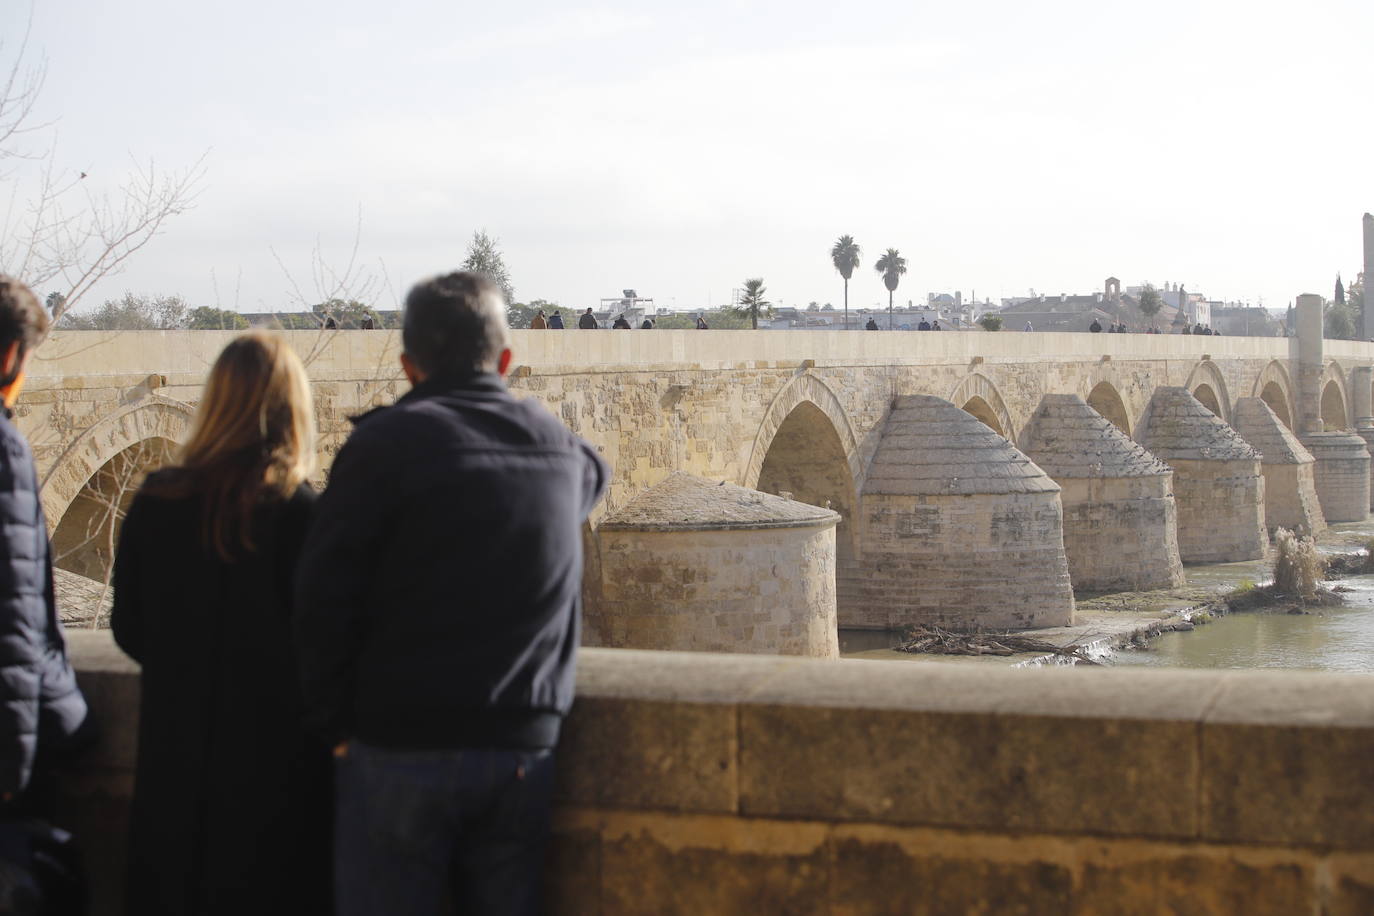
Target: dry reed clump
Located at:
point(1298, 567)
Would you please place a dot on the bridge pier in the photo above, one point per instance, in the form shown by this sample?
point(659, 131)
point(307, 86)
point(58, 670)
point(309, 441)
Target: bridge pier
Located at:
point(1341, 473)
point(1362, 399)
point(959, 528)
point(1120, 521)
point(700, 565)
point(1290, 487)
point(1218, 484)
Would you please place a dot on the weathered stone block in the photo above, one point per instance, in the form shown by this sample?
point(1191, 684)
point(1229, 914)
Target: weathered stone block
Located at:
point(691, 866)
point(1202, 883)
point(1309, 742)
point(883, 734)
point(874, 877)
point(674, 756)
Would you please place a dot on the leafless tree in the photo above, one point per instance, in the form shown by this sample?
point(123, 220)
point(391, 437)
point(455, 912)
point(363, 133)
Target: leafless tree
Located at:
point(56, 233)
point(85, 541)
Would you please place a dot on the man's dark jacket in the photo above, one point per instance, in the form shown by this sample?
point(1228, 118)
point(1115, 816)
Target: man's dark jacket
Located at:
point(438, 594)
point(587, 322)
point(39, 699)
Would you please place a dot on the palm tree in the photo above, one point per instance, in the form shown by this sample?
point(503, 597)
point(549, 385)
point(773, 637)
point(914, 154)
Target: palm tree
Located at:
point(752, 303)
point(845, 256)
point(891, 265)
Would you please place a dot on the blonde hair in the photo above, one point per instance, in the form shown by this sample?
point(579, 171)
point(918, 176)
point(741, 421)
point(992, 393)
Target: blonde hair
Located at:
point(253, 437)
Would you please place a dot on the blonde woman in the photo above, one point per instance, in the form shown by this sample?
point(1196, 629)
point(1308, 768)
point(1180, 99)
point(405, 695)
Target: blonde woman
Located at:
point(232, 800)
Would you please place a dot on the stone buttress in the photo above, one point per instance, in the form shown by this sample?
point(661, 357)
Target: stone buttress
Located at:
point(1218, 484)
point(693, 564)
point(1120, 521)
point(1341, 473)
point(1290, 488)
point(1367, 434)
point(958, 527)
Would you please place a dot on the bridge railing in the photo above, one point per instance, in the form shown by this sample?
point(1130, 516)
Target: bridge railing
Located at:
point(693, 783)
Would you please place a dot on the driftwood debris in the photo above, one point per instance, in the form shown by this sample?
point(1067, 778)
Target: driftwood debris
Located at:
point(936, 640)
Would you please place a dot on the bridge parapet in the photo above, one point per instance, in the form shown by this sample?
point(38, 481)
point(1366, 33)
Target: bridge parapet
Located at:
point(695, 783)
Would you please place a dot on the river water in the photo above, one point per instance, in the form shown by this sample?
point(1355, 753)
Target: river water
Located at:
point(1327, 639)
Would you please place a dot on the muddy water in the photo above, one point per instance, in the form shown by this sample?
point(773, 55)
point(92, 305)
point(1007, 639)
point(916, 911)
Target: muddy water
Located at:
point(1331, 639)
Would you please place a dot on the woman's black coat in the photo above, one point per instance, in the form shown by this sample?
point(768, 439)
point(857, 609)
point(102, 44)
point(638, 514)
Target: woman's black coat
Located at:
point(233, 800)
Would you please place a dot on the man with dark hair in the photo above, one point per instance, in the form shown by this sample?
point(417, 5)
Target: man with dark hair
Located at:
point(588, 321)
point(42, 711)
point(438, 616)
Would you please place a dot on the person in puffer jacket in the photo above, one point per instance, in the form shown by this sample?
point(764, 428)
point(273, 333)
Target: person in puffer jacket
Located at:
point(42, 711)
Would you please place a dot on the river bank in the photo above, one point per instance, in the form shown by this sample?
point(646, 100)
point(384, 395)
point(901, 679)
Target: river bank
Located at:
point(1154, 627)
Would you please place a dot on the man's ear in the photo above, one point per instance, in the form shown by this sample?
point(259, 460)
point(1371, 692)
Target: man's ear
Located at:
point(412, 371)
point(503, 362)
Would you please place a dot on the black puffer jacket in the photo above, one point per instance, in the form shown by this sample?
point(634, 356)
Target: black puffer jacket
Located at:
point(437, 597)
point(39, 699)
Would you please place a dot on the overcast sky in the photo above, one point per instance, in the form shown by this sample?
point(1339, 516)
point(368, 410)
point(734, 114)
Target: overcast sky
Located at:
point(681, 148)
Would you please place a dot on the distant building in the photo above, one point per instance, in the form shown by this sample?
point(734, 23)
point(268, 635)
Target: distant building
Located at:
point(1066, 312)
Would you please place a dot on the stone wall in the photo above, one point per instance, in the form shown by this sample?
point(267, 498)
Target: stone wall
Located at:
point(753, 590)
point(693, 783)
point(1341, 473)
point(1220, 510)
point(1120, 533)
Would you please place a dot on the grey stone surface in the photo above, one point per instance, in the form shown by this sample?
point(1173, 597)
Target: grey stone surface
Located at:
point(682, 502)
point(930, 447)
point(1067, 438)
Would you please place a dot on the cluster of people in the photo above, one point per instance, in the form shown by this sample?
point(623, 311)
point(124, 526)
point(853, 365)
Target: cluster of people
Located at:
point(587, 322)
point(872, 325)
point(1123, 328)
point(350, 699)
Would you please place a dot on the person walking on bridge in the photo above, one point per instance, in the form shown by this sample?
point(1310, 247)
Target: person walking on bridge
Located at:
point(588, 321)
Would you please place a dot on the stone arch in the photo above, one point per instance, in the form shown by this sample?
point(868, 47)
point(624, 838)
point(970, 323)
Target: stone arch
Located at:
point(83, 540)
point(1207, 378)
point(977, 395)
point(983, 411)
point(804, 388)
point(1106, 400)
point(152, 418)
point(1207, 398)
point(1334, 401)
point(1275, 388)
point(806, 448)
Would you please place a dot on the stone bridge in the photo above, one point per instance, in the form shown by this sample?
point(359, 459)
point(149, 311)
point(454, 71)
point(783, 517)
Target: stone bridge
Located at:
point(818, 415)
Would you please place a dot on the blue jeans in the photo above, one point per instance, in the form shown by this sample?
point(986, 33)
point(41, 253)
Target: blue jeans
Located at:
point(422, 833)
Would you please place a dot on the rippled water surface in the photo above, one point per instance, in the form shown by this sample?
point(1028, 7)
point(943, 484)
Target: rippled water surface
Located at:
point(1331, 639)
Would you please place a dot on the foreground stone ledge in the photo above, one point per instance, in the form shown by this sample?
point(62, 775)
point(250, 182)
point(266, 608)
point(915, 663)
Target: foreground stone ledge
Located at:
point(699, 783)
point(618, 862)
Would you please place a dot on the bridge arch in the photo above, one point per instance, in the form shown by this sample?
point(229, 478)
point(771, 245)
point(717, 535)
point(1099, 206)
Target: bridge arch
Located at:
point(1106, 400)
point(1335, 398)
point(806, 448)
point(1208, 385)
point(977, 395)
point(1274, 387)
point(154, 420)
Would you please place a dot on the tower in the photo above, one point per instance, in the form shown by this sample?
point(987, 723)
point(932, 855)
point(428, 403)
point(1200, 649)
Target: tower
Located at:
point(1366, 312)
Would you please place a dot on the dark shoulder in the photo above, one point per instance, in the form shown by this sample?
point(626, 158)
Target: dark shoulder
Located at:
point(301, 503)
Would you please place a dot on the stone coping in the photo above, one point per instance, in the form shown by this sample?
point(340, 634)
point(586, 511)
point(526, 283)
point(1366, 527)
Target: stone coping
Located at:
point(1277, 758)
point(684, 502)
point(71, 353)
point(1069, 440)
